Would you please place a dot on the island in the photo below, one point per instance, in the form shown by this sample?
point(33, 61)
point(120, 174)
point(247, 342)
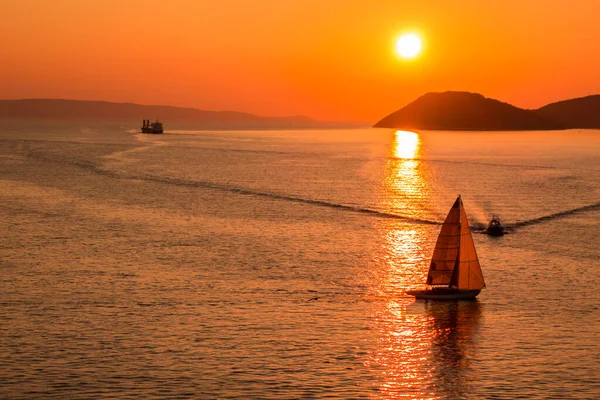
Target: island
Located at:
point(582, 112)
point(467, 111)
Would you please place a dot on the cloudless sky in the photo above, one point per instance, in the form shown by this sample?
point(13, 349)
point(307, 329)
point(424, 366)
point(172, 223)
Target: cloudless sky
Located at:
point(328, 59)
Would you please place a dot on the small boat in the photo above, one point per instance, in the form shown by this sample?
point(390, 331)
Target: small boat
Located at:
point(454, 272)
point(154, 127)
point(495, 228)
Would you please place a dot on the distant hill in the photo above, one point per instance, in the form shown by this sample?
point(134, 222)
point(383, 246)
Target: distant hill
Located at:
point(171, 116)
point(583, 112)
point(466, 112)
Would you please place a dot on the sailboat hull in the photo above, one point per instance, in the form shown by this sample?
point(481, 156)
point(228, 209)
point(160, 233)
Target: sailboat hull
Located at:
point(444, 294)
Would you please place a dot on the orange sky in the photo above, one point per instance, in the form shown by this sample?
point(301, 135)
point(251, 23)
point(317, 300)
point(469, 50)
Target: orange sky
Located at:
point(328, 59)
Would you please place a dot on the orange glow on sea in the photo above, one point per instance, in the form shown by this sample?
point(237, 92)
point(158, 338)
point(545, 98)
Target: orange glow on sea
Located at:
point(403, 336)
point(420, 351)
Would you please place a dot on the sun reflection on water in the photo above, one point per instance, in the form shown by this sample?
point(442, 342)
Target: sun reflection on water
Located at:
point(404, 336)
point(406, 144)
point(405, 178)
point(420, 348)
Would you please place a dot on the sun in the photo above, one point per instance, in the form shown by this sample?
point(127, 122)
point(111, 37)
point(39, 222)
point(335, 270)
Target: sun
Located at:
point(408, 45)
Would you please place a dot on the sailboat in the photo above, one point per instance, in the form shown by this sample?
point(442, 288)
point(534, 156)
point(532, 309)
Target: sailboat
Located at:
point(454, 272)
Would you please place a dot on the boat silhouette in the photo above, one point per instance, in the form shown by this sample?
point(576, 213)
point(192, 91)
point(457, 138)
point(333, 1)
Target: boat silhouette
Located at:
point(495, 228)
point(154, 127)
point(454, 272)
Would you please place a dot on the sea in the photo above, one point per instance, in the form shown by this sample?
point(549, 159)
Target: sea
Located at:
point(273, 264)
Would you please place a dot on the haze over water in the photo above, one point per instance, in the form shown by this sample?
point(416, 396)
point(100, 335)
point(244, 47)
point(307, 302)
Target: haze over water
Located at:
point(273, 264)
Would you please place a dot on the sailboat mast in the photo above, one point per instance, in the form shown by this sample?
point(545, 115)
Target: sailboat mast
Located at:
point(455, 272)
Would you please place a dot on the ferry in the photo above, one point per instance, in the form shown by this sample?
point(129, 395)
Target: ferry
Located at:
point(154, 127)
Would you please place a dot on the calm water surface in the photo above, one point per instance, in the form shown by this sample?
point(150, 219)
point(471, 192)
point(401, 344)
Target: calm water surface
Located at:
point(272, 264)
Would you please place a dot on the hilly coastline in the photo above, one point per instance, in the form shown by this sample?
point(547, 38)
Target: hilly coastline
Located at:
point(59, 109)
point(433, 111)
point(583, 112)
point(474, 112)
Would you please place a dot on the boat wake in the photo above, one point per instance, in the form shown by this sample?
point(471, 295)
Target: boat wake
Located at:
point(519, 224)
point(90, 167)
point(285, 197)
point(277, 196)
point(434, 160)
